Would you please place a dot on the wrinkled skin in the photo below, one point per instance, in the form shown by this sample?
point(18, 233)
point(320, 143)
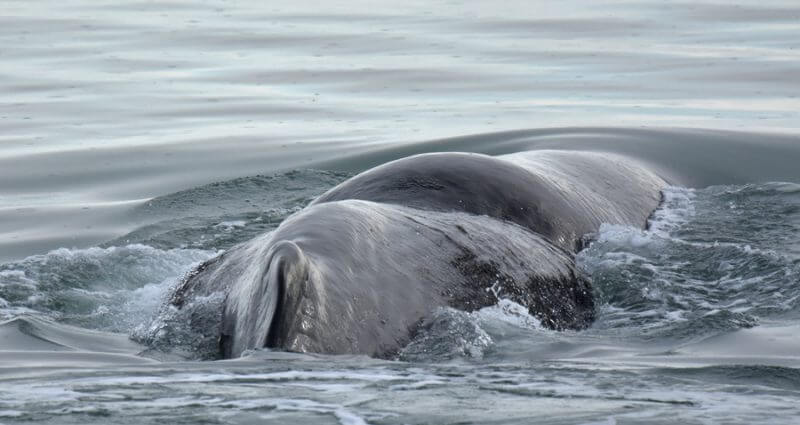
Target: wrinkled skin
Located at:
point(361, 267)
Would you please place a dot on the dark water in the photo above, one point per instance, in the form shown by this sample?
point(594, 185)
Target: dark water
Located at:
point(116, 117)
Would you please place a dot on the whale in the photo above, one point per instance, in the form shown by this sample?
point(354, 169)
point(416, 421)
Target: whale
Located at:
point(360, 268)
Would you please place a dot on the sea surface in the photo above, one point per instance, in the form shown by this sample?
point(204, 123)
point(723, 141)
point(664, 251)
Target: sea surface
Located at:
point(138, 139)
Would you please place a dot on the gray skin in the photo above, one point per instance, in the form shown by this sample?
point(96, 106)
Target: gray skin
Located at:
point(359, 269)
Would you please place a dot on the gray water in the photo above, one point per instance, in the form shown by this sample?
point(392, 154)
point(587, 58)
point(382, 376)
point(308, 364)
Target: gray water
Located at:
point(117, 117)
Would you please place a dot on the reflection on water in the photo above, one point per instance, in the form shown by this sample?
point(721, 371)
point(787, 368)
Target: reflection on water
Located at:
point(108, 101)
point(108, 104)
point(136, 73)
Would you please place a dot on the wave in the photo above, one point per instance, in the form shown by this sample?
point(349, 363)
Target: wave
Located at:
point(222, 214)
point(686, 157)
point(97, 288)
point(713, 260)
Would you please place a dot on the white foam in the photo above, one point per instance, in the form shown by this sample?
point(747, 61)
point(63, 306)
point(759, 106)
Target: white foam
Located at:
point(627, 236)
point(341, 413)
point(11, 413)
point(676, 209)
point(16, 278)
point(123, 282)
point(418, 385)
point(508, 311)
point(228, 225)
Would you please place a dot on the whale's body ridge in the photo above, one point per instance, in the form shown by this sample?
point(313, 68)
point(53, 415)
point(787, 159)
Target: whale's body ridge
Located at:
point(361, 267)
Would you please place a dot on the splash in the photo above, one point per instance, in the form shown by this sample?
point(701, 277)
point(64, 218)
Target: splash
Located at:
point(97, 288)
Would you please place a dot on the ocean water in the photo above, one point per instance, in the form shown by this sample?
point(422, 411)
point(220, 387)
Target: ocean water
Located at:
point(142, 138)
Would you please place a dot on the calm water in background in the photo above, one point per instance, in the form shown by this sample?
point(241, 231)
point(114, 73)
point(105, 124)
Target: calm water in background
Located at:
point(105, 106)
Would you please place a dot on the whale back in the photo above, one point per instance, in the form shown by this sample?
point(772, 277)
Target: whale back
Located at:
point(359, 269)
point(372, 284)
point(559, 195)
